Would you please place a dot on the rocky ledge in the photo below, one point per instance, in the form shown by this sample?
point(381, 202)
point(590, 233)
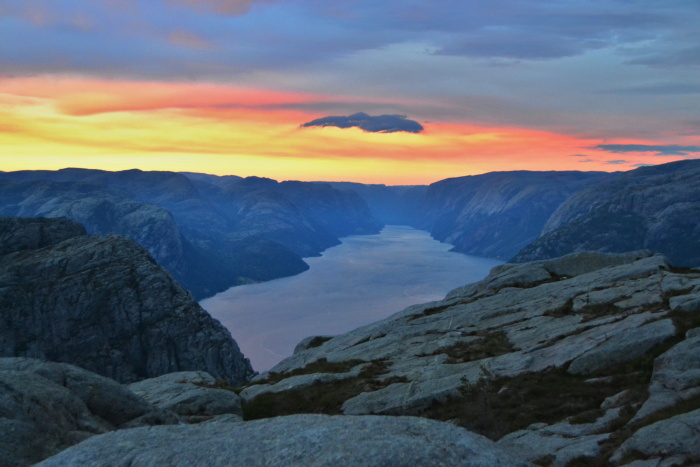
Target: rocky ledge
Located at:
point(582, 359)
point(103, 304)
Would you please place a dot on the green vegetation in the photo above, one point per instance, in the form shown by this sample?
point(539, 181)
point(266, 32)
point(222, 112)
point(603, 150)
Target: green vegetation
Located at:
point(319, 366)
point(317, 341)
point(326, 398)
point(491, 344)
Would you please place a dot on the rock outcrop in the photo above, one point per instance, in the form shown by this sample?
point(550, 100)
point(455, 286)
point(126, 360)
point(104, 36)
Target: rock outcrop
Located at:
point(103, 304)
point(300, 440)
point(554, 358)
point(651, 207)
point(497, 214)
point(46, 407)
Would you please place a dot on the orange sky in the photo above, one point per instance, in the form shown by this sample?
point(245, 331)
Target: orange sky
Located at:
point(53, 121)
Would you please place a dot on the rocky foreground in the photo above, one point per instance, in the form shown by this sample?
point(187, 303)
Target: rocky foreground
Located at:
point(589, 358)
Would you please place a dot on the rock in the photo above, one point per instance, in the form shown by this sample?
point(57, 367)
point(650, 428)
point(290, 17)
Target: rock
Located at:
point(46, 407)
point(676, 377)
point(31, 234)
point(675, 437)
point(102, 303)
point(189, 394)
point(310, 342)
point(650, 207)
point(551, 313)
point(623, 347)
point(299, 440)
point(296, 382)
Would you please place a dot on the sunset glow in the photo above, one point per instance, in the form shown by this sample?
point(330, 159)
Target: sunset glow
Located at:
point(73, 112)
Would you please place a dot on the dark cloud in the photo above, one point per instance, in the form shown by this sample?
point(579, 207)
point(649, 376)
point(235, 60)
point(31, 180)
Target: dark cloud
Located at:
point(659, 149)
point(578, 155)
point(617, 161)
point(378, 124)
point(642, 165)
point(587, 160)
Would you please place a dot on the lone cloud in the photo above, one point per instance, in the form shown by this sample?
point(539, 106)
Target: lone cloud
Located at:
point(378, 124)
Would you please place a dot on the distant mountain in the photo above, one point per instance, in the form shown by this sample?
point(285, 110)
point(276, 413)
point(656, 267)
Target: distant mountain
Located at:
point(498, 213)
point(656, 208)
point(395, 205)
point(210, 232)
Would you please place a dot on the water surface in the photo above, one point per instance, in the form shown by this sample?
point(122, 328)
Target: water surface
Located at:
point(367, 278)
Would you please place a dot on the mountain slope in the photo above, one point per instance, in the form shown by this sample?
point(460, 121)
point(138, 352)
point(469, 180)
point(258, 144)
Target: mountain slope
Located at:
point(210, 232)
point(657, 208)
point(103, 304)
point(497, 214)
point(581, 359)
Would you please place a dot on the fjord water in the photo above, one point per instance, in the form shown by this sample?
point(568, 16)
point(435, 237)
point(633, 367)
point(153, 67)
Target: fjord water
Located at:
point(367, 278)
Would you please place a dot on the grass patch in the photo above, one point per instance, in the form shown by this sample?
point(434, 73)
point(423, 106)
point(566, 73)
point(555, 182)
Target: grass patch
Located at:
point(590, 312)
point(319, 366)
point(218, 384)
point(567, 309)
point(684, 321)
point(495, 407)
point(326, 398)
point(318, 341)
point(430, 311)
point(683, 270)
point(492, 344)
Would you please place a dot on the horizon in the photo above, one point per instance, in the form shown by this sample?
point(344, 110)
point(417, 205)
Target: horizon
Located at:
point(395, 93)
point(310, 180)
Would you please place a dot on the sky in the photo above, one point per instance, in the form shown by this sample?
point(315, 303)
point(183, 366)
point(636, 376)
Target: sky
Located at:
point(395, 92)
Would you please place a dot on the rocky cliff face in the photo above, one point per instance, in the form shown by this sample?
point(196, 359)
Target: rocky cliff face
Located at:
point(209, 232)
point(651, 207)
point(103, 304)
point(582, 359)
point(497, 214)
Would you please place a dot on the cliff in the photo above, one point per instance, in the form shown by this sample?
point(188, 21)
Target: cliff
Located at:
point(498, 213)
point(103, 304)
point(651, 207)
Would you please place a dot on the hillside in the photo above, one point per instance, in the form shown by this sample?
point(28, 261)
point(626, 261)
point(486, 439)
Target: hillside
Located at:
point(654, 208)
point(209, 232)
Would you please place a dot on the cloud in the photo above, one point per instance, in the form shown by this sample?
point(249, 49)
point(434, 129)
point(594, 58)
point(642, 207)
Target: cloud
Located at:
point(617, 162)
point(660, 89)
point(224, 7)
point(642, 165)
point(578, 155)
point(659, 149)
point(587, 160)
point(378, 124)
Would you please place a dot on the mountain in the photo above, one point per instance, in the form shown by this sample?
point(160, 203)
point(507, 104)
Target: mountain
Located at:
point(394, 205)
point(210, 232)
point(655, 208)
point(102, 303)
point(498, 213)
point(588, 359)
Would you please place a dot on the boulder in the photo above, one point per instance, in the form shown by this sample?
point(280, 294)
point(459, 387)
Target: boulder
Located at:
point(191, 394)
point(299, 440)
point(46, 407)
